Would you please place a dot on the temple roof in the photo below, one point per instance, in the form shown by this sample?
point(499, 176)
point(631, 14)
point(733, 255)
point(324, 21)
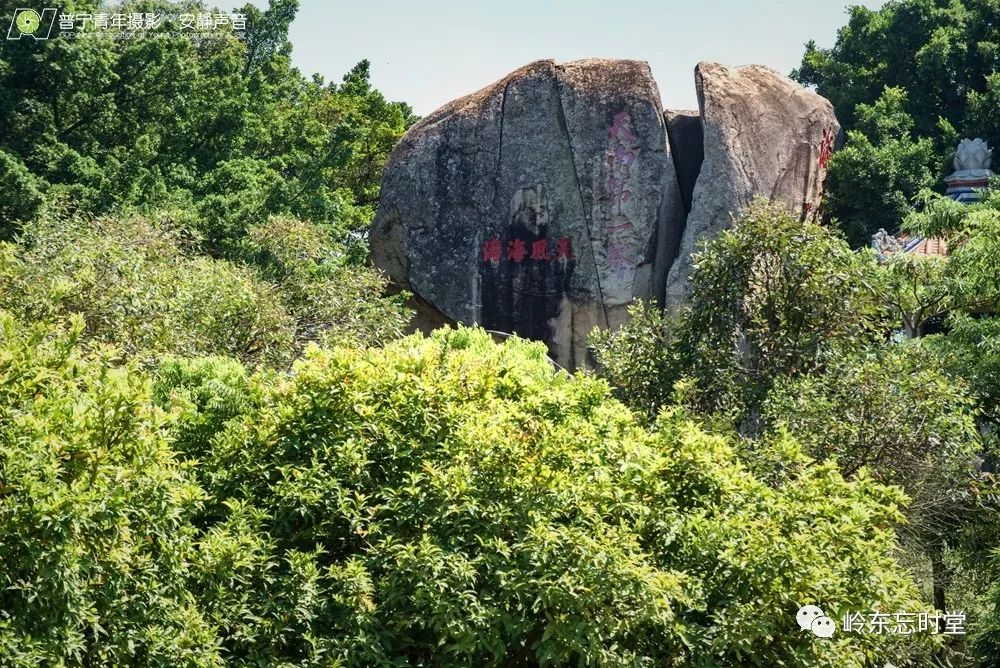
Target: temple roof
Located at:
point(918, 245)
point(886, 245)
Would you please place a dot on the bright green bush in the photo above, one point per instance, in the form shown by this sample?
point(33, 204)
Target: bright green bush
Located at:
point(444, 501)
point(95, 531)
point(450, 501)
point(136, 287)
point(138, 284)
point(640, 358)
point(203, 394)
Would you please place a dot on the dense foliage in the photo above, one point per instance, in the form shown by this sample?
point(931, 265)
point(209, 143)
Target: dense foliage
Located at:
point(200, 195)
point(907, 80)
point(95, 513)
point(216, 448)
point(139, 283)
point(970, 283)
point(442, 500)
point(222, 128)
point(789, 333)
point(771, 298)
point(873, 179)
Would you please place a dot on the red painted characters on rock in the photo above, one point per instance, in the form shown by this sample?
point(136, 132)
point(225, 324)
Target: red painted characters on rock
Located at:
point(563, 249)
point(492, 249)
point(621, 128)
point(517, 250)
point(540, 249)
point(623, 150)
point(826, 148)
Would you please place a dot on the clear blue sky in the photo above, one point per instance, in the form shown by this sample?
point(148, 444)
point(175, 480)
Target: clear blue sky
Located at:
point(429, 52)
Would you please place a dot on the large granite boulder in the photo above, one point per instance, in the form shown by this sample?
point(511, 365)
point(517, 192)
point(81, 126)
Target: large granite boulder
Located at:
point(545, 203)
point(763, 136)
point(541, 205)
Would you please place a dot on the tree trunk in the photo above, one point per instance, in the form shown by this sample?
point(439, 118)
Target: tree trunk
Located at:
point(939, 576)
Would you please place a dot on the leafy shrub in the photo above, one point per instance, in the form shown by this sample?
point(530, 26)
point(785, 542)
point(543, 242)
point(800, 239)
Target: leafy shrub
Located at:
point(138, 284)
point(333, 299)
point(443, 500)
point(896, 412)
point(640, 358)
point(451, 501)
point(772, 297)
point(971, 351)
point(95, 514)
point(134, 286)
point(203, 394)
point(899, 414)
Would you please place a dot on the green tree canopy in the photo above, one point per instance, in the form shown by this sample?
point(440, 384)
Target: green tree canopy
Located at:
point(95, 513)
point(942, 52)
point(444, 500)
point(772, 297)
point(451, 500)
point(790, 334)
point(224, 127)
point(906, 81)
point(139, 284)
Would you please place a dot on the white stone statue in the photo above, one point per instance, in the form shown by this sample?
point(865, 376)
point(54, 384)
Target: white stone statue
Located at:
point(972, 158)
point(885, 244)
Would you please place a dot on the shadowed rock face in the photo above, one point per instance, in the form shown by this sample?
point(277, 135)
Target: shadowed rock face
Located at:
point(762, 134)
point(687, 148)
point(541, 205)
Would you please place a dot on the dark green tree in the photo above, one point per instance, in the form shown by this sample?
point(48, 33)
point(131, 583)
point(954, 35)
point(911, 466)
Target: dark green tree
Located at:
point(872, 179)
point(940, 57)
point(224, 127)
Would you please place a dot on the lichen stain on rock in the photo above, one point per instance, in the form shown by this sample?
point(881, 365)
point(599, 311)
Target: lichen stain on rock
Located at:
point(524, 273)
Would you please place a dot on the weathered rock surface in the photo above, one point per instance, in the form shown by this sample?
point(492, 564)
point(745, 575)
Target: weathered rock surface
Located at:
point(545, 203)
point(541, 205)
point(762, 137)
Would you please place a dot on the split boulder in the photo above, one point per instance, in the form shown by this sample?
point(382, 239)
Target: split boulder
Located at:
point(763, 135)
point(541, 205)
point(545, 203)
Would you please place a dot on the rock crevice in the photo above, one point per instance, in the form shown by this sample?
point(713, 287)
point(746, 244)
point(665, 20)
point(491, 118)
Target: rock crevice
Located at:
point(761, 137)
point(544, 204)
